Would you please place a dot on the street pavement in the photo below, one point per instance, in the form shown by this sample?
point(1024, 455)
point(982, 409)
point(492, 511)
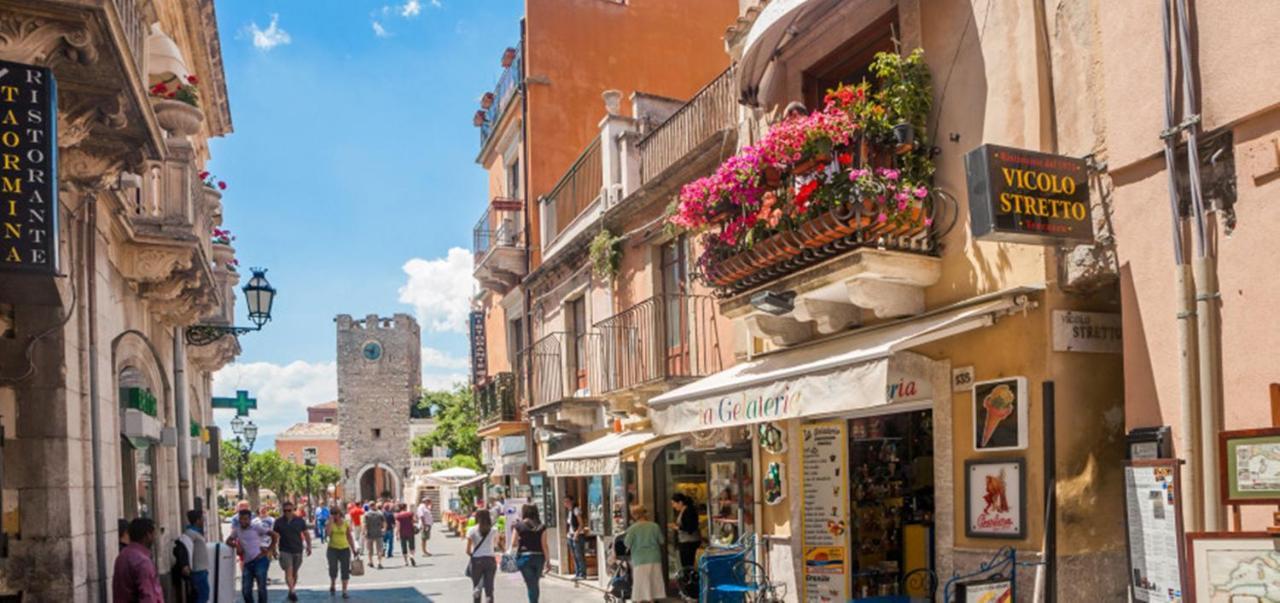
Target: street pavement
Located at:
point(436, 579)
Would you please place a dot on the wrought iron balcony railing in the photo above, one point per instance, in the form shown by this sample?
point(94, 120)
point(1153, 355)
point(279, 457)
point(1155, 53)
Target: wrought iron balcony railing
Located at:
point(502, 225)
point(577, 190)
point(508, 85)
point(663, 338)
point(559, 367)
point(711, 112)
point(496, 400)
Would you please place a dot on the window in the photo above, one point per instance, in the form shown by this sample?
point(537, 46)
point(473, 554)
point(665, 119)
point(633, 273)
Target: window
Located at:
point(309, 451)
point(850, 63)
point(577, 313)
point(675, 287)
point(513, 179)
point(328, 419)
point(377, 433)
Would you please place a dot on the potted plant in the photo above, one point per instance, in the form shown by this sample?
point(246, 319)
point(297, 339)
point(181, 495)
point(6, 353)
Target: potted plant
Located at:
point(176, 103)
point(486, 101)
point(477, 120)
point(904, 91)
point(508, 57)
point(606, 255)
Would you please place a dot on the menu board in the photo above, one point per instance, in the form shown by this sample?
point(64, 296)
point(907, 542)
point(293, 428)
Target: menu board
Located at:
point(1154, 510)
point(825, 536)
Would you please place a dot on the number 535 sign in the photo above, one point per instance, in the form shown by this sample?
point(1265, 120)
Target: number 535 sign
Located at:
point(962, 379)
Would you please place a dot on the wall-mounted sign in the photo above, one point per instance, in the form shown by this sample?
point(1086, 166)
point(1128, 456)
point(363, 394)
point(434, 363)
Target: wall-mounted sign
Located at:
point(1153, 505)
point(1000, 414)
point(825, 531)
point(991, 590)
point(479, 351)
point(1097, 332)
point(962, 379)
point(995, 498)
point(1022, 196)
point(28, 170)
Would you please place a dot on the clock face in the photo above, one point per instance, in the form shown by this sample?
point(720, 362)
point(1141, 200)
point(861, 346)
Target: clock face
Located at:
point(372, 351)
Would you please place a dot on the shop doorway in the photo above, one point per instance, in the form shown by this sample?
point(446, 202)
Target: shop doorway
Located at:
point(891, 500)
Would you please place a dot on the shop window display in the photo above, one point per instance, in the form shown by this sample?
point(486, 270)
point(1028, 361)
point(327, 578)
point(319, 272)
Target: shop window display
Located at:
point(730, 513)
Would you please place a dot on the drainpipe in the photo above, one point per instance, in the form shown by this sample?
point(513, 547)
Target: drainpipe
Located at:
point(531, 443)
point(95, 408)
point(182, 416)
point(1189, 434)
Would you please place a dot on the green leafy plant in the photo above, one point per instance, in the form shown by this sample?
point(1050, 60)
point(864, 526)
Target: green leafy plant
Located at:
point(606, 255)
point(179, 90)
point(904, 87)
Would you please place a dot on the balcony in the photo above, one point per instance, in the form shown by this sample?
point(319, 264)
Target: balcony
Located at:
point(567, 209)
point(509, 83)
point(559, 381)
point(658, 343)
point(698, 126)
point(498, 243)
point(496, 409)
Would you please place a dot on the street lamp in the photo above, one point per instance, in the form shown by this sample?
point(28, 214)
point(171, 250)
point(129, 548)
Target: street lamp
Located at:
point(309, 461)
point(259, 296)
point(250, 433)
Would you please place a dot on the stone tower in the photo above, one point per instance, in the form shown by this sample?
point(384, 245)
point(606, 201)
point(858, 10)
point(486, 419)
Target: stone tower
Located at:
point(379, 375)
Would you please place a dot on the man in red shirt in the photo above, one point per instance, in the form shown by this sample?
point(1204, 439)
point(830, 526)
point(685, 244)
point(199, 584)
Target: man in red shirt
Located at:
point(135, 577)
point(405, 529)
point(355, 512)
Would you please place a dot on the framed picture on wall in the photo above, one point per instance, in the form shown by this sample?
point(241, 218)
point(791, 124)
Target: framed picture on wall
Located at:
point(1000, 414)
point(1249, 462)
point(997, 589)
point(995, 501)
point(1231, 566)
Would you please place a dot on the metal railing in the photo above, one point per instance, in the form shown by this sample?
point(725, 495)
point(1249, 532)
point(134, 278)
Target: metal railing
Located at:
point(664, 337)
point(559, 367)
point(575, 192)
point(502, 225)
point(496, 400)
point(508, 84)
point(134, 25)
point(710, 112)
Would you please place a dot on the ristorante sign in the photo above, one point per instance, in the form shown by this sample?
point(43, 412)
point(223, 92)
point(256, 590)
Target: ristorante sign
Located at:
point(1022, 196)
point(28, 164)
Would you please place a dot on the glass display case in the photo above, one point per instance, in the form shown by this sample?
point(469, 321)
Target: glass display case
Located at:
point(730, 504)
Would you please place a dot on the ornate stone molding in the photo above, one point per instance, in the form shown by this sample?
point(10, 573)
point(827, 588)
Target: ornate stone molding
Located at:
point(37, 40)
point(152, 264)
point(779, 330)
point(211, 358)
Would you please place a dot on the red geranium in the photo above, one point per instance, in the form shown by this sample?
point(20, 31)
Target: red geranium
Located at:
point(802, 195)
point(191, 79)
point(846, 159)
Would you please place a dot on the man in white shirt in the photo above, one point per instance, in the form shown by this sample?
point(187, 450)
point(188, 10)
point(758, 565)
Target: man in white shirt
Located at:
point(425, 520)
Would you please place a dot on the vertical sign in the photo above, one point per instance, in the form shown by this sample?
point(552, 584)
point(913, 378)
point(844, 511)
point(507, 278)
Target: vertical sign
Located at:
point(1020, 196)
point(28, 170)
point(1154, 530)
point(479, 353)
point(825, 529)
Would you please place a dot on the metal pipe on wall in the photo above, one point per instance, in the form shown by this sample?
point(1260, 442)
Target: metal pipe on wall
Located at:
point(182, 416)
point(95, 421)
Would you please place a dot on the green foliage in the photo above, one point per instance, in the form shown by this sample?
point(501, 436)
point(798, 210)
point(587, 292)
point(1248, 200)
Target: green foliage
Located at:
point(266, 470)
point(231, 461)
point(606, 255)
point(904, 87)
point(455, 413)
point(459, 460)
point(324, 476)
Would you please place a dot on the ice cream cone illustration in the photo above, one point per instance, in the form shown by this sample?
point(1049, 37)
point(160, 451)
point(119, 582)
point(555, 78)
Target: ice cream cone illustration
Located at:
point(999, 405)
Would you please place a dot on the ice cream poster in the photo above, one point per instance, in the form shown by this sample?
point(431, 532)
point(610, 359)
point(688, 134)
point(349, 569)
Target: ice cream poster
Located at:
point(995, 498)
point(1000, 414)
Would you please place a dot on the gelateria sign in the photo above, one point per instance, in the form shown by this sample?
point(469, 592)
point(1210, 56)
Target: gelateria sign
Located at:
point(28, 164)
point(1023, 196)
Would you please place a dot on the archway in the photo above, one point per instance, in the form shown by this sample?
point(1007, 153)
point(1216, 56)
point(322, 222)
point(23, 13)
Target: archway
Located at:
point(378, 481)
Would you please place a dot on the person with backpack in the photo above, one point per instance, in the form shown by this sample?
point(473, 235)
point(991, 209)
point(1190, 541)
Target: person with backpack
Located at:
point(531, 549)
point(482, 564)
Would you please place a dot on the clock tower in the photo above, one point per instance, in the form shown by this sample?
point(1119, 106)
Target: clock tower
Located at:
point(379, 376)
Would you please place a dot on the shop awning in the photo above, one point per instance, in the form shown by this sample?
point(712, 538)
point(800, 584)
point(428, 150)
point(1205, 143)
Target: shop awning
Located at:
point(844, 373)
point(597, 457)
point(778, 23)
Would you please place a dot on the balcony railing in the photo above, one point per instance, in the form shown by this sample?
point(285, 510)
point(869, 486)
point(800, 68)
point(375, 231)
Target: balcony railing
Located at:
point(710, 112)
point(502, 225)
point(133, 23)
point(665, 337)
point(496, 400)
point(577, 190)
point(508, 84)
point(559, 367)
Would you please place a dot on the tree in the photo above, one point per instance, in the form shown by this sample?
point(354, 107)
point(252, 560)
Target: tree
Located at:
point(230, 460)
point(455, 413)
point(265, 470)
point(459, 460)
point(324, 476)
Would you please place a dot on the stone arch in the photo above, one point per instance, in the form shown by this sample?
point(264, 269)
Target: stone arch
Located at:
point(142, 467)
point(132, 349)
point(394, 487)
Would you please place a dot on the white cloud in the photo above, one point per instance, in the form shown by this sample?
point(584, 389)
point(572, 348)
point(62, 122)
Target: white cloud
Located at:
point(436, 3)
point(443, 381)
point(283, 391)
point(411, 8)
point(437, 359)
point(440, 290)
point(380, 31)
point(272, 36)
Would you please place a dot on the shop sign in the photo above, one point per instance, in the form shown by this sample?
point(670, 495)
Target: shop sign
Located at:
point(1000, 414)
point(825, 528)
point(995, 498)
point(479, 351)
point(1097, 332)
point(585, 467)
point(1020, 196)
point(28, 170)
point(906, 389)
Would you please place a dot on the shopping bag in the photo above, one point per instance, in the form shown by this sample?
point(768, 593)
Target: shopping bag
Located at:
point(357, 566)
point(509, 564)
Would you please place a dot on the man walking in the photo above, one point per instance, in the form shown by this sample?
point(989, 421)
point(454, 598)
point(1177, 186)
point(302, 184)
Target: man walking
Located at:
point(405, 528)
point(250, 539)
point(577, 542)
point(290, 535)
point(373, 528)
point(322, 518)
point(425, 519)
point(388, 530)
point(356, 512)
point(199, 552)
point(135, 578)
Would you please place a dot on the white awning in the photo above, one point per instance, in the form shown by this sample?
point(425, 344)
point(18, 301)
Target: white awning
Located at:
point(597, 457)
point(844, 373)
point(779, 22)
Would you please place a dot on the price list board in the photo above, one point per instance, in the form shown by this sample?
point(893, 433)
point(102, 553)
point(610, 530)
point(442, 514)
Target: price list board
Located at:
point(825, 489)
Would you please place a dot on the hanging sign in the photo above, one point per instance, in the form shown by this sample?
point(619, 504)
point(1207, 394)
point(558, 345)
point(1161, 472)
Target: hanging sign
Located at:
point(1153, 504)
point(479, 353)
point(1097, 332)
point(825, 535)
point(1021, 196)
point(28, 170)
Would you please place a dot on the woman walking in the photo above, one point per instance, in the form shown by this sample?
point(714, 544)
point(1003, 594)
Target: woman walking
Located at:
point(480, 548)
point(531, 549)
point(688, 539)
point(644, 540)
point(338, 532)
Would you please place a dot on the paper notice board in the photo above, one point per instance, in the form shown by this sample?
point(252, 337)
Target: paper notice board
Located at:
point(825, 539)
point(1153, 505)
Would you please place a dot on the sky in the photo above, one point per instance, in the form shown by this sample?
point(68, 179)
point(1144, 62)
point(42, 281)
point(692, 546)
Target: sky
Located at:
point(351, 176)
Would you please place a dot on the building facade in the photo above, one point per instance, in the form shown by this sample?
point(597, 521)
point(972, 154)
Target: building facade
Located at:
point(318, 434)
point(104, 390)
point(379, 381)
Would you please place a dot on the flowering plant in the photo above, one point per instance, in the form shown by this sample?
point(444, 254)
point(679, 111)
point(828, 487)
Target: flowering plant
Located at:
point(233, 264)
point(209, 181)
point(222, 236)
point(179, 90)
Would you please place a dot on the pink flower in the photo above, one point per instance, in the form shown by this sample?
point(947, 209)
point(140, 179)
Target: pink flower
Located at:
point(921, 192)
point(882, 218)
point(928, 221)
point(889, 174)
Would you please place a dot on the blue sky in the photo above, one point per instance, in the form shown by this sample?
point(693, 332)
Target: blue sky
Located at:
point(351, 176)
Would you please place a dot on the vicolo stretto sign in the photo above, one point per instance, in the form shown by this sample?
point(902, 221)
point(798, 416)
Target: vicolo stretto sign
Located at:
point(1027, 197)
point(28, 164)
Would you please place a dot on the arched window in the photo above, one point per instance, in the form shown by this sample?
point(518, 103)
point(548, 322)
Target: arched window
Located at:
point(137, 449)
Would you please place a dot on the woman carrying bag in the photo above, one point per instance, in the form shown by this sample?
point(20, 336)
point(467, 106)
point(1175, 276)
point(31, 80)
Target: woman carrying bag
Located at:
point(481, 563)
point(530, 549)
point(338, 533)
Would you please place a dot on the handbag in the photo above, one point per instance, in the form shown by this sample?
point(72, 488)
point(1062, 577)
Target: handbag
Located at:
point(357, 566)
point(510, 563)
point(472, 557)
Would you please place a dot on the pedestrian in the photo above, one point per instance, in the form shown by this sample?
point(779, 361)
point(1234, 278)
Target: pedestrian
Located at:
point(194, 533)
point(338, 554)
point(482, 566)
point(531, 549)
point(322, 517)
point(577, 537)
point(388, 531)
point(290, 536)
point(135, 578)
point(356, 512)
point(644, 540)
point(425, 520)
point(374, 525)
point(250, 538)
point(405, 530)
point(688, 539)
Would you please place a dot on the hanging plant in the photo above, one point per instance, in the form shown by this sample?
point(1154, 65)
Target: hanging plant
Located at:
point(606, 255)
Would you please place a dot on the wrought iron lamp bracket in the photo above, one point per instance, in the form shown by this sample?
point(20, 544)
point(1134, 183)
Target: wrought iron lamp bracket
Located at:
point(201, 335)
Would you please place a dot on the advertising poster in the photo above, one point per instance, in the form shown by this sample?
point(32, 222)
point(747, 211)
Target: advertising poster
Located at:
point(1154, 531)
point(999, 590)
point(825, 539)
point(995, 498)
point(1000, 414)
